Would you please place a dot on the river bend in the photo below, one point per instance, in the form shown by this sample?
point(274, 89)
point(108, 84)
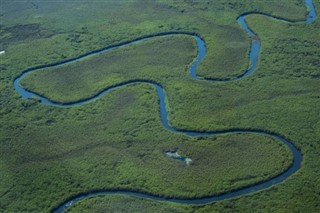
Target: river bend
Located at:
point(253, 57)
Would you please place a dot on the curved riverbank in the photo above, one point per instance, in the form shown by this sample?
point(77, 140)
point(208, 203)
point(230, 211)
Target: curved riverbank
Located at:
point(254, 54)
point(297, 158)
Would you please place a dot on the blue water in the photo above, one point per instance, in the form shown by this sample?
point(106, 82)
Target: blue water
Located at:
point(312, 15)
point(253, 56)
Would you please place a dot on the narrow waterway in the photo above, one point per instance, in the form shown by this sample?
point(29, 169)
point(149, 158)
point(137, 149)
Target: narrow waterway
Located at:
point(253, 57)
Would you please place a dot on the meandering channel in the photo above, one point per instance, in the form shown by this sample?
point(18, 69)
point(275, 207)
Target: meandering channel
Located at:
point(253, 56)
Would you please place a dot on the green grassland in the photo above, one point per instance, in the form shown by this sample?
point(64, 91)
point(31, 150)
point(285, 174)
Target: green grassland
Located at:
point(158, 59)
point(49, 154)
point(120, 203)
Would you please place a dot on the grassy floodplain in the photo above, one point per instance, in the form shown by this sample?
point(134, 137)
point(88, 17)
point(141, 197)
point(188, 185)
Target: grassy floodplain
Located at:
point(123, 131)
point(49, 154)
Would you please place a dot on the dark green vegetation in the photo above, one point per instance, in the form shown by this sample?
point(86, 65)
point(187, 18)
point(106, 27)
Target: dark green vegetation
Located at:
point(49, 154)
point(120, 203)
point(159, 59)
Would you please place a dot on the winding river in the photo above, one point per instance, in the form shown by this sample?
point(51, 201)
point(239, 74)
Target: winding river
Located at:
point(253, 56)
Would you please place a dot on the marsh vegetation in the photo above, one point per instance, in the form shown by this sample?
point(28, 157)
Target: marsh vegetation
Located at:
point(50, 154)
